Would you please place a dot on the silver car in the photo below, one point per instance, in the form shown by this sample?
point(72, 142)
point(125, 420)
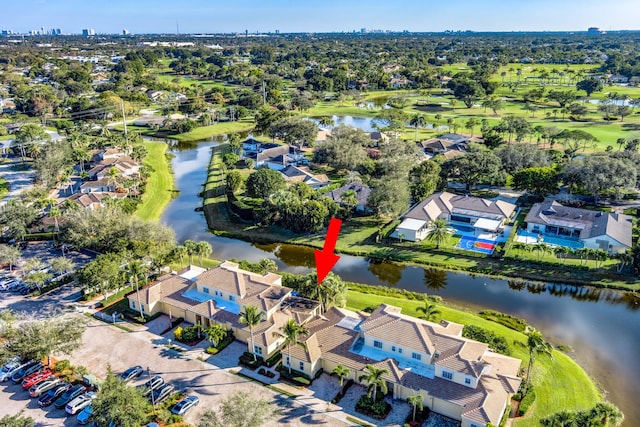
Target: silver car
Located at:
point(38, 389)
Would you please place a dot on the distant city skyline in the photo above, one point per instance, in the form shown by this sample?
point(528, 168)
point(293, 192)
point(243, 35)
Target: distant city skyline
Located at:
point(214, 16)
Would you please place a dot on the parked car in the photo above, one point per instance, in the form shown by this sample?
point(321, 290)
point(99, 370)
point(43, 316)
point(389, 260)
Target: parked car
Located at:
point(44, 386)
point(26, 369)
point(185, 404)
point(84, 416)
point(151, 384)
point(5, 371)
point(69, 395)
point(131, 373)
point(49, 397)
point(80, 402)
point(36, 377)
point(161, 393)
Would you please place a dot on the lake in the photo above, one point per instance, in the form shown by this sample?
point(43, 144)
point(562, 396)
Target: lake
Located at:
point(600, 325)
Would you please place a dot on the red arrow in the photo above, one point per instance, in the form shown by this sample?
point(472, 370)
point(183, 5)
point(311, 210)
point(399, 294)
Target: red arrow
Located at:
point(326, 258)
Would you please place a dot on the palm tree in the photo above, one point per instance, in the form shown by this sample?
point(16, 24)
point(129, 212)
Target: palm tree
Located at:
point(606, 414)
point(203, 249)
point(291, 332)
point(562, 252)
point(536, 346)
point(439, 232)
point(251, 317)
point(417, 121)
point(429, 311)
point(191, 248)
point(415, 401)
point(374, 379)
point(181, 252)
point(55, 213)
point(135, 271)
point(341, 372)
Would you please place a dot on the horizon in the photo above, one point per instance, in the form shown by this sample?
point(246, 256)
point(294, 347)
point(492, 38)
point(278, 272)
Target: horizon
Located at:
point(328, 16)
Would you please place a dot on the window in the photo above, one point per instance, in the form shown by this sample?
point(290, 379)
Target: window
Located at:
point(447, 375)
point(393, 348)
point(232, 298)
point(400, 350)
point(302, 366)
point(288, 361)
point(467, 380)
point(416, 356)
point(133, 305)
point(205, 290)
point(257, 350)
point(377, 344)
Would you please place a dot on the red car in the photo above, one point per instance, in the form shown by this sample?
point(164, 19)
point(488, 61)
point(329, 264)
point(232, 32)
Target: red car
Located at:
point(35, 378)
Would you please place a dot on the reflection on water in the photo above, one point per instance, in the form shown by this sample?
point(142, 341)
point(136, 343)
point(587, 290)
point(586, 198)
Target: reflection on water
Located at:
point(600, 324)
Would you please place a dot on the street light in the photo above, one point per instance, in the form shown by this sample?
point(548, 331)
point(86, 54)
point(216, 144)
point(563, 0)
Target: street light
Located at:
point(153, 399)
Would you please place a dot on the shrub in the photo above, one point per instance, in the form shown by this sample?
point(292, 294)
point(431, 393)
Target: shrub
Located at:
point(275, 358)
point(177, 334)
point(212, 350)
point(527, 401)
point(247, 360)
point(495, 342)
point(62, 365)
point(378, 409)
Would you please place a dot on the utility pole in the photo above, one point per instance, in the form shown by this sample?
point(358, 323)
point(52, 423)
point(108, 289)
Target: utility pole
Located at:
point(264, 93)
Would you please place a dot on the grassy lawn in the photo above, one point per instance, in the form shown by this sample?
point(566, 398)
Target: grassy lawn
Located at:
point(560, 383)
point(243, 125)
point(159, 190)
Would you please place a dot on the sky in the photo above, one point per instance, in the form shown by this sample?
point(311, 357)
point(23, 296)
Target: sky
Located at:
point(216, 16)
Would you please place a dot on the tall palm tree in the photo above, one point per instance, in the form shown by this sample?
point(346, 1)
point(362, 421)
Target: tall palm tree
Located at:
point(536, 346)
point(429, 311)
point(203, 249)
point(136, 271)
point(439, 232)
point(251, 316)
point(606, 414)
point(191, 248)
point(374, 379)
point(341, 372)
point(55, 213)
point(417, 121)
point(181, 252)
point(415, 401)
point(291, 332)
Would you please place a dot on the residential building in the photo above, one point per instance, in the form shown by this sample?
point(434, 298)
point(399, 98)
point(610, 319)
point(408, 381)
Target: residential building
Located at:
point(361, 191)
point(102, 185)
point(303, 174)
point(608, 231)
point(457, 377)
point(94, 200)
point(465, 212)
point(267, 157)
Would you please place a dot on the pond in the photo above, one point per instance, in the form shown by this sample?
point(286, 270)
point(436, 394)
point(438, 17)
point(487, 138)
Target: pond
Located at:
point(600, 325)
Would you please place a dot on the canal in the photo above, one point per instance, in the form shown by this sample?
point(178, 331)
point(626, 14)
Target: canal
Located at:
point(600, 325)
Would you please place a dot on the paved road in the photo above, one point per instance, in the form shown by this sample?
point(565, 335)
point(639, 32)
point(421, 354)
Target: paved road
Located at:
point(19, 181)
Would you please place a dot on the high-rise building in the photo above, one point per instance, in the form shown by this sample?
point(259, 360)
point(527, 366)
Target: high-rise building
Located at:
point(88, 32)
point(125, 32)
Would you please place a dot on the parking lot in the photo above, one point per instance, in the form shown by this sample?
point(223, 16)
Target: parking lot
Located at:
point(105, 345)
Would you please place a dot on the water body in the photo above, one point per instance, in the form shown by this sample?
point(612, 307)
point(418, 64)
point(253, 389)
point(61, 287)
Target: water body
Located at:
point(599, 324)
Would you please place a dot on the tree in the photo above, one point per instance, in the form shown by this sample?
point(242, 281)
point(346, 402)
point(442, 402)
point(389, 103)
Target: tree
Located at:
point(192, 248)
point(374, 379)
point(478, 167)
point(181, 252)
point(28, 135)
point(424, 179)
point(439, 232)
point(341, 372)
point(294, 130)
point(119, 404)
point(415, 401)
point(590, 85)
point(33, 264)
point(38, 278)
point(215, 333)
point(562, 97)
point(234, 181)
point(136, 271)
point(102, 274)
point(536, 345)
point(9, 255)
point(539, 181)
point(389, 197)
point(17, 420)
point(417, 121)
point(470, 124)
point(230, 160)
point(606, 414)
point(343, 149)
point(466, 90)
point(600, 174)
point(36, 338)
point(429, 311)
point(291, 332)
point(251, 316)
point(520, 156)
point(264, 182)
point(17, 216)
point(241, 409)
point(203, 249)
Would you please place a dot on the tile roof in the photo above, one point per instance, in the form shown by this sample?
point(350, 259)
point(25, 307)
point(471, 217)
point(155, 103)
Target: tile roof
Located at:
point(303, 174)
point(267, 154)
point(590, 223)
point(447, 203)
